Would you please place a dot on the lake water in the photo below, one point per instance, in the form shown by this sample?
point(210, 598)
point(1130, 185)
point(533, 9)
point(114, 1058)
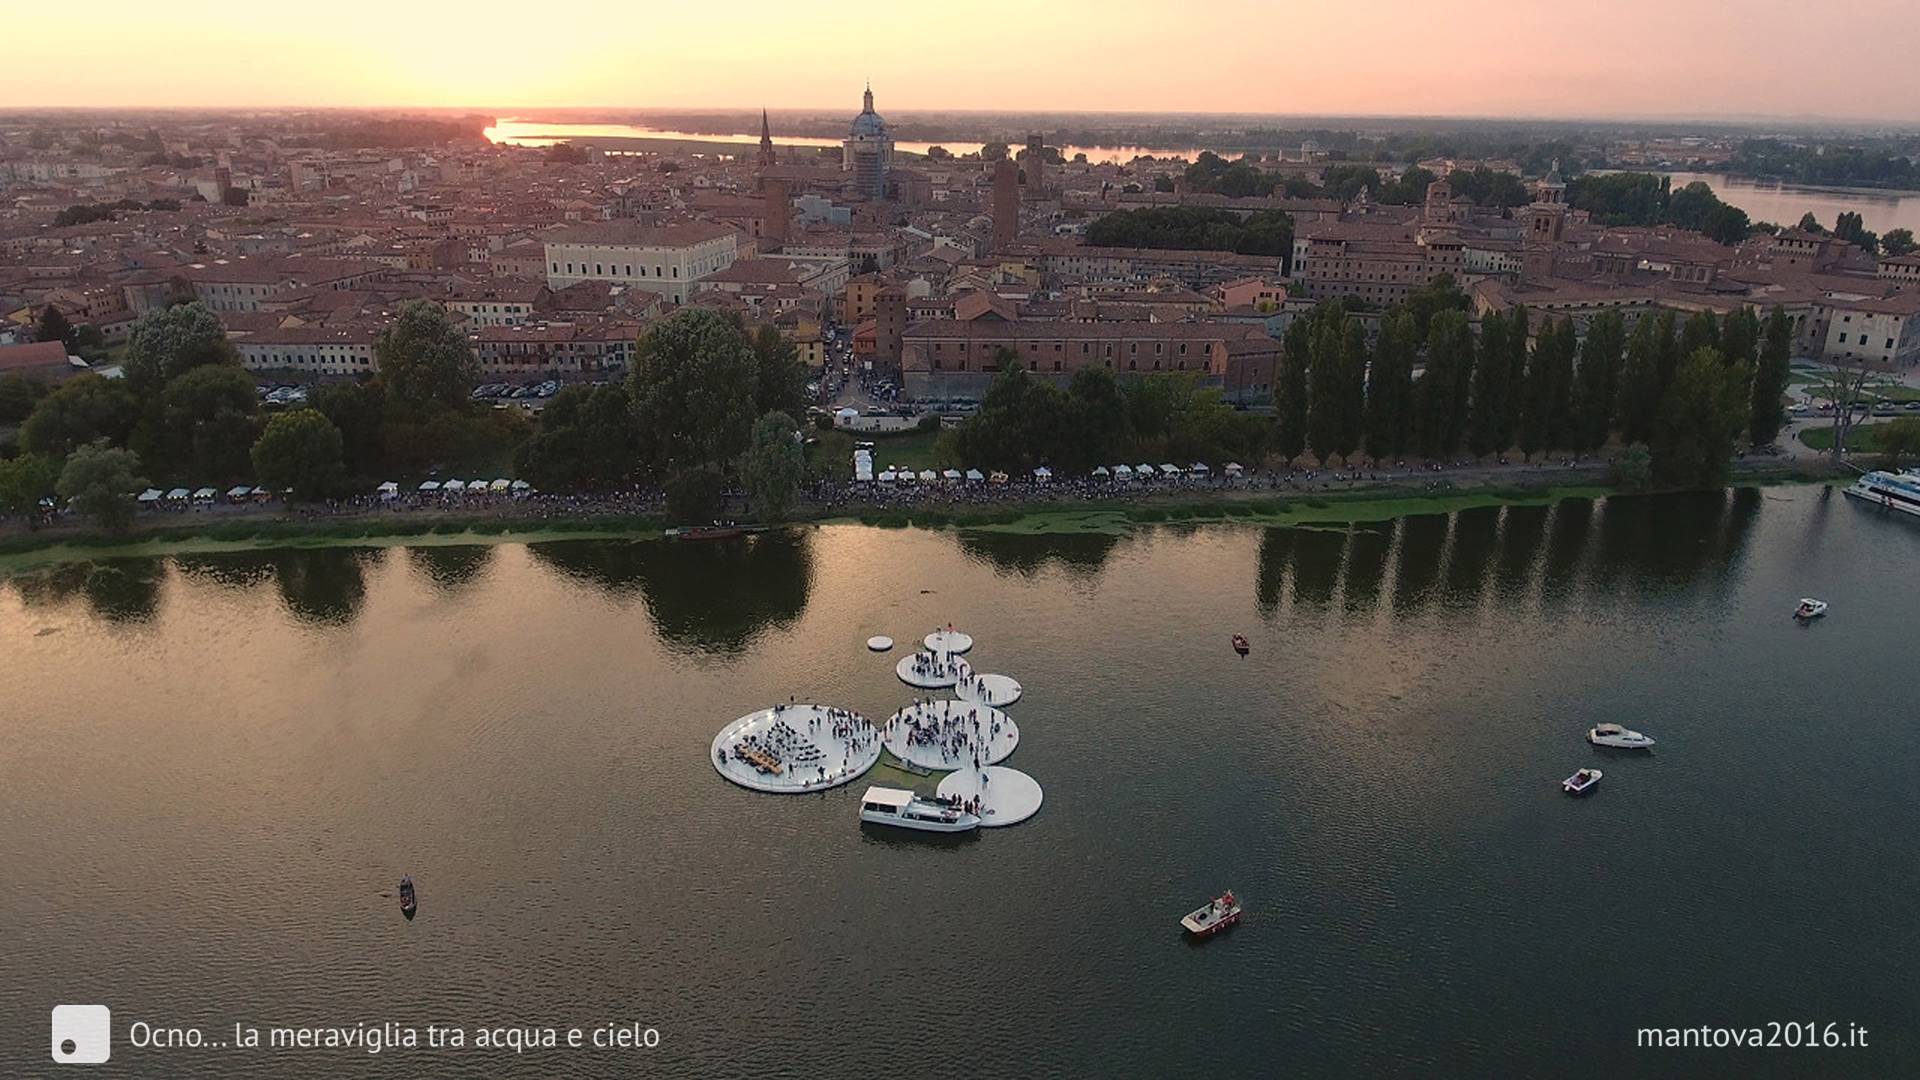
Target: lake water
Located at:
point(1783, 204)
point(215, 766)
point(519, 132)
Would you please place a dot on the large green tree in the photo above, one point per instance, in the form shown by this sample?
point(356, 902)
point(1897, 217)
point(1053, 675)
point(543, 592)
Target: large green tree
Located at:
point(359, 410)
point(18, 395)
point(53, 326)
point(82, 410)
point(425, 360)
point(1389, 421)
point(1296, 358)
point(1597, 382)
point(1898, 440)
point(300, 450)
point(25, 480)
point(1767, 411)
point(1440, 405)
point(693, 386)
point(99, 481)
point(780, 379)
point(166, 343)
point(208, 421)
point(1640, 386)
point(585, 440)
point(1328, 404)
point(1700, 416)
point(1519, 334)
point(1487, 431)
point(775, 466)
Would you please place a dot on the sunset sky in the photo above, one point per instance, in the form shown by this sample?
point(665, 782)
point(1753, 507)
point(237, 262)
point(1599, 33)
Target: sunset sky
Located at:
point(1397, 57)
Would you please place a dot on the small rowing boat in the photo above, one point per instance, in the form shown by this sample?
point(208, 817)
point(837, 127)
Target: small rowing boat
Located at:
point(1218, 914)
point(408, 902)
point(1240, 644)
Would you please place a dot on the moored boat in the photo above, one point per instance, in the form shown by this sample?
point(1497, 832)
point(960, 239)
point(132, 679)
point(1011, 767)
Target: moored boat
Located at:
point(907, 810)
point(1580, 782)
point(1889, 490)
point(1218, 914)
point(408, 902)
point(1810, 608)
point(707, 532)
point(1240, 644)
point(1618, 737)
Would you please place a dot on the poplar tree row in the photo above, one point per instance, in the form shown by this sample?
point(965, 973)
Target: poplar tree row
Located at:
point(1687, 389)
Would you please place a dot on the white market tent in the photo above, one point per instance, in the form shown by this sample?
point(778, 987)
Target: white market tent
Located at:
point(388, 490)
point(1143, 470)
point(239, 491)
point(148, 496)
point(888, 476)
point(997, 477)
point(1199, 468)
point(501, 484)
point(1123, 472)
point(205, 495)
point(950, 475)
point(1170, 470)
point(928, 475)
point(847, 414)
point(1043, 474)
point(1234, 469)
point(974, 476)
point(429, 485)
point(177, 495)
point(454, 485)
point(1102, 471)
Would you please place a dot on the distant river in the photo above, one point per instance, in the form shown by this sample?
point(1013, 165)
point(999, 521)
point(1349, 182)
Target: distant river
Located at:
point(1783, 204)
point(518, 132)
point(214, 768)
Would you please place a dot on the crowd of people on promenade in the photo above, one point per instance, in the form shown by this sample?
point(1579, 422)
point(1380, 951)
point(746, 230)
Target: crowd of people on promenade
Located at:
point(960, 734)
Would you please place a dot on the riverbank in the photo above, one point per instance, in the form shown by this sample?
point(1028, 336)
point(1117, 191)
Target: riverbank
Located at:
point(1324, 506)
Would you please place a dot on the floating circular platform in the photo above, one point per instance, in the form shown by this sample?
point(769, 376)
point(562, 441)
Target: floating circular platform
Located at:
point(960, 730)
point(816, 747)
point(879, 643)
point(998, 691)
point(952, 642)
point(930, 671)
point(1007, 796)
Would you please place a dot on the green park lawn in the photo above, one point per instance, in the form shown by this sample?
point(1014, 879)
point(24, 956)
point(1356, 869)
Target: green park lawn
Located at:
point(833, 453)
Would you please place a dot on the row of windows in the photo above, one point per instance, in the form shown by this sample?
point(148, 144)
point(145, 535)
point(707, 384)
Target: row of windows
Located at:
point(1034, 365)
point(600, 270)
point(1086, 347)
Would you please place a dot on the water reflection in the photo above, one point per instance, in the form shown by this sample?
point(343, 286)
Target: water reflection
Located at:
point(324, 585)
point(231, 569)
point(1527, 555)
point(1027, 554)
point(702, 595)
point(451, 567)
point(118, 590)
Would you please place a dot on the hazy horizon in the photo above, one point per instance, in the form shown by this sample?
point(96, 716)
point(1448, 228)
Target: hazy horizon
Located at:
point(1687, 60)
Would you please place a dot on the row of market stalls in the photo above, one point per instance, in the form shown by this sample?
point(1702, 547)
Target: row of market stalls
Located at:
point(206, 496)
point(893, 474)
point(503, 486)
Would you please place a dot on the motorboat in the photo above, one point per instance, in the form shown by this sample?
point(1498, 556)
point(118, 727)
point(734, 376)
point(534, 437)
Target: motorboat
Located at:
point(1218, 914)
point(716, 531)
point(408, 902)
point(1810, 608)
point(1618, 737)
point(1580, 782)
point(1240, 644)
point(1889, 490)
point(907, 810)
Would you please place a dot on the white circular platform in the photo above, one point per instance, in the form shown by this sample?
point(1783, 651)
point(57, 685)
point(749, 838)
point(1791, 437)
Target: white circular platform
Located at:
point(930, 671)
point(1007, 796)
point(948, 641)
point(998, 691)
point(816, 746)
point(997, 734)
point(879, 643)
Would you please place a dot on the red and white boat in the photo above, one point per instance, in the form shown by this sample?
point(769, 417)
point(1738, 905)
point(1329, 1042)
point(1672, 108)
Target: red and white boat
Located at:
point(1240, 644)
point(1219, 913)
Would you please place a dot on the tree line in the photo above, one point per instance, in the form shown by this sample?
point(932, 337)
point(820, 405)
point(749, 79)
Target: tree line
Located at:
point(692, 416)
point(1194, 228)
point(1628, 198)
point(1686, 392)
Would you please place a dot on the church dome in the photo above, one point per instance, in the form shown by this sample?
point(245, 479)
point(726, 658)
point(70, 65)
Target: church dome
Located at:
point(868, 124)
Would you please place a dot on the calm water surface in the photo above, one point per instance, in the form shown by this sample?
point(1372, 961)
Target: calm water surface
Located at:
point(215, 767)
point(1783, 204)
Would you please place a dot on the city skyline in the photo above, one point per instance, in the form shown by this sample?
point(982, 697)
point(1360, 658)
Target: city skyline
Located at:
point(1388, 58)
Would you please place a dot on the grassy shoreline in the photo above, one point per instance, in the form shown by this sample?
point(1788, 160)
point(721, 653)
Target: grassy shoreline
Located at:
point(25, 550)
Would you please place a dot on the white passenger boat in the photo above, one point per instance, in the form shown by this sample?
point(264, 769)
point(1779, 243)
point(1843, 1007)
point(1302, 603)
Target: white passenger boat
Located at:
point(894, 806)
point(1618, 737)
point(1810, 608)
point(1580, 782)
point(1894, 491)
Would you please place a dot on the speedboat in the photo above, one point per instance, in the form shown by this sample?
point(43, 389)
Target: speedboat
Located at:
point(1810, 608)
point(1580, 782)
point(408, 903)
point(1618, 737)
point(1240, 644)
point(1218, 914)
point(906, 810)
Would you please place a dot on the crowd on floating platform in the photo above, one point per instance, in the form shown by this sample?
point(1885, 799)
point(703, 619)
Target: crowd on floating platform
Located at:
point(959, 736)
point(785, 747)
point(929, 665)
